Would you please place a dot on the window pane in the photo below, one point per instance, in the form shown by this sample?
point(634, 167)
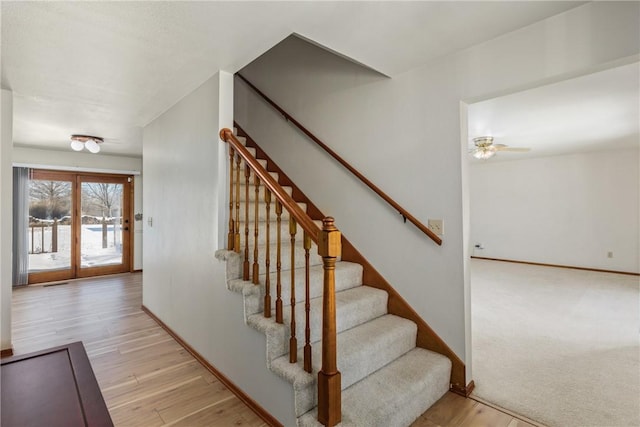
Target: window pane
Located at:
point(49, 225)
point(101, 213)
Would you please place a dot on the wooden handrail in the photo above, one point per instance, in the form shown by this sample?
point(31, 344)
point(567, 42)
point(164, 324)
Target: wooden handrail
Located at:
point(405, 214)
point(287, 201)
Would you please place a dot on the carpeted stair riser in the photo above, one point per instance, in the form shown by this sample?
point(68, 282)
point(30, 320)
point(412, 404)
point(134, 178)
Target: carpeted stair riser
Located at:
point(273, 233)
point(261, 191)
point(348, 275)
point(402, 391)
point(362, 350)
point(353, 307)
point(243, 179)
point(285, 259)
point(262, 216)
point(243, 165)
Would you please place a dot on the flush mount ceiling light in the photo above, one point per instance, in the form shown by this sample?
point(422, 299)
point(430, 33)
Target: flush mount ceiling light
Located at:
point(78, 142)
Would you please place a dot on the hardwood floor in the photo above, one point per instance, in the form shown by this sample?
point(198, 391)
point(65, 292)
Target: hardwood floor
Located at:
point(453, 410)
point(146, 377)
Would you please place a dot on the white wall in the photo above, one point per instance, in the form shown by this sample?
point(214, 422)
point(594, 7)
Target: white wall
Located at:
point(6, 218)
point(567, 210)
point(185, 175)
point(76, 161)
point(404, 134)
point(87, 162)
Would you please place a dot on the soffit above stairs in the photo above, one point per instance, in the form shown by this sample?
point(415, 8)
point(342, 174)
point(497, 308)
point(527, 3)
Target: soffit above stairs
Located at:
point(115, 66)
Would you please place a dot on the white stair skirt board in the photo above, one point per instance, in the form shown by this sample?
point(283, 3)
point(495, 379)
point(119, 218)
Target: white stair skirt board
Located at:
point(386, 380)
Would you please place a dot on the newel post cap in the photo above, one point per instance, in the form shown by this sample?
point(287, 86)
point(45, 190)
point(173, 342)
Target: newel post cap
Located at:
point(223, 133)
point(329, 239)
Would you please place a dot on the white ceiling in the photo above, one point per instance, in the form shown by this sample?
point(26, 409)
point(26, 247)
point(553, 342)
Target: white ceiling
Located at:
point(109, 68)
point(599, 111)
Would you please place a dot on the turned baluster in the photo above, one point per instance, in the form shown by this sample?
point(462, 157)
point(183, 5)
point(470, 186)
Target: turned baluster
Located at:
point(279, 263)
point(293, 342)
point(236, 243)
point(245, 264)
point(329, 382)
point(307, 305)
point(267, 262)
point(230, 237)
point(256, 268)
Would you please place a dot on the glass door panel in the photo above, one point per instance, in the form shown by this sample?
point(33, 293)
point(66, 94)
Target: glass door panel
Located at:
point(78, 225)
point(104, 230)
point(50, 226)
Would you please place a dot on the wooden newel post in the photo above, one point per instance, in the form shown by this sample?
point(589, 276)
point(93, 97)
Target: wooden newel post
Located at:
point(329, 382)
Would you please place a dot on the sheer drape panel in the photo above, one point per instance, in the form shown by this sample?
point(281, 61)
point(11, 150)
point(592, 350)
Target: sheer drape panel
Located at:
point(20, 226)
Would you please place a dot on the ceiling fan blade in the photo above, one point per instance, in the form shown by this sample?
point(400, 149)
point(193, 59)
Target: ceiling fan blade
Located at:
point(514, 149)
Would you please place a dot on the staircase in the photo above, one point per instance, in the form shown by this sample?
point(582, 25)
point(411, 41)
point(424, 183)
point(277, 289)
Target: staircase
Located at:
point(385, 379)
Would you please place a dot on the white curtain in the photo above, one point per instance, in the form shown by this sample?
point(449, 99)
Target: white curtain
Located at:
point(20, 225)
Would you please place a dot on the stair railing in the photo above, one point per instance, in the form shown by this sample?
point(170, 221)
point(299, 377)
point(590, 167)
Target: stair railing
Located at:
point(402, 211)
point(328, 239)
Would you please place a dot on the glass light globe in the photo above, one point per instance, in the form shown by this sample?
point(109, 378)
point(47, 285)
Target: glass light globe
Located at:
point(77, 145)
point(92, 146)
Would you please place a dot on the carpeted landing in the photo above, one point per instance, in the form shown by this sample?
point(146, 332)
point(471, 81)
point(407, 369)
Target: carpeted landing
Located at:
point(386, 380)
point(556, 345)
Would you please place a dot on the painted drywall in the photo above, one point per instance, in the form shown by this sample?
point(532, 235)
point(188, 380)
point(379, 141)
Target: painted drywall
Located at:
point(567, 210)
point(76, 161)
point(184, 209)
point(86, 162)
point(6, 218)
point(405, 135)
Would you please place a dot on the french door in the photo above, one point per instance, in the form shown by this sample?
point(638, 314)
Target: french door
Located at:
point(79, 225)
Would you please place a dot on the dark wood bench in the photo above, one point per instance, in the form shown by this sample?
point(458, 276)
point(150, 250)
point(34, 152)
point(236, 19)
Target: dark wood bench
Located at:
point(54, 387)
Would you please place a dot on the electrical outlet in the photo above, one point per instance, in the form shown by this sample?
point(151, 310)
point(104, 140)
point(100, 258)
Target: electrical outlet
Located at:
point(436, 225)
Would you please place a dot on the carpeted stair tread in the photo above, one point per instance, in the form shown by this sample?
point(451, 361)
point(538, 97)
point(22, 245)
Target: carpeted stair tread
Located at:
point(353, 307)
point(362, 350)
point(273, 232)
point(395, 395)
point(286, 265)
point(348, 275)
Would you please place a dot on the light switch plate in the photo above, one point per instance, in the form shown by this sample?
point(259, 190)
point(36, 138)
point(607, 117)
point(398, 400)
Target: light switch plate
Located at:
point(436, 225)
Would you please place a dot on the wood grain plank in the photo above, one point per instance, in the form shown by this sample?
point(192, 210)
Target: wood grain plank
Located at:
point(450, 410)
point(482, 415)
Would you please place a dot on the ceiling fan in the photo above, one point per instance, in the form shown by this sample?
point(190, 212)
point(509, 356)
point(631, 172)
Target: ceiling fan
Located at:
point(486, 149)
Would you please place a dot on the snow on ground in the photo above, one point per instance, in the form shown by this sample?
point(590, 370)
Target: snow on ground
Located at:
point(92, 253)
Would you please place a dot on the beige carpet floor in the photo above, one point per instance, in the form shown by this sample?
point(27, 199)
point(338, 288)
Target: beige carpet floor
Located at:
point(556, 345)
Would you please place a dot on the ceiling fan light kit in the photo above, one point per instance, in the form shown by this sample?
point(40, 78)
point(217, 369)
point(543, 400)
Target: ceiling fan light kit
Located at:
point(486, 149)
point(78, 142)
point(484, 154)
